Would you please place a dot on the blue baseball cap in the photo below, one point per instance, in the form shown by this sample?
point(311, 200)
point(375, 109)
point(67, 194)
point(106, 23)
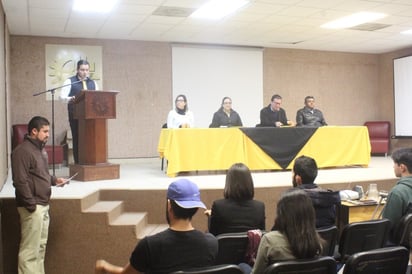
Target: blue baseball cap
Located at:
point(185, 193)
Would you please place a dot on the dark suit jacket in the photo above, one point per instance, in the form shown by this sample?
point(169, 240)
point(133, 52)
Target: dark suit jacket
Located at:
point(268, 118)
point(231, 216)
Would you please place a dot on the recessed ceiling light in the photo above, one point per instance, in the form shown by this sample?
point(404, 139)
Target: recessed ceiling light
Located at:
point(99, 6)
point(409, 31)
point(353, 20)
point(216, 9)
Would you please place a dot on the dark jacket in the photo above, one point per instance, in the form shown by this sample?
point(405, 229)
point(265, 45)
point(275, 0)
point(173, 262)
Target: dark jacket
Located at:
point(75, 90)
point(220, 118)
point(310, 117)
point(268, 118)
point(30, 172)
point(232, 216)
point(325, 203)
point(398, 201)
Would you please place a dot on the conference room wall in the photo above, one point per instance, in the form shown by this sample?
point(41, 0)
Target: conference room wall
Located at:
point(4, 145)
point(343, 84)
point(346, 87)
point(386, 93)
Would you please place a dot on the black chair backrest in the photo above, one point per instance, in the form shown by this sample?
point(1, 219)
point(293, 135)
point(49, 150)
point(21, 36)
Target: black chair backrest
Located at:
point(218, 269)
point(387, 260)
point(232, 248)
point(321, 265)
point(363, 236)
point(404, 230)
point(330, 236)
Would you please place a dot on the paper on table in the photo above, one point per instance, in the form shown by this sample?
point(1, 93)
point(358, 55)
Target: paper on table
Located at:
point(68, 179)
point(363, 202)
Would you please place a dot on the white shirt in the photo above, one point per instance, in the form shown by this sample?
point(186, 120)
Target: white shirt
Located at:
point(174, 119)
point(65, 91)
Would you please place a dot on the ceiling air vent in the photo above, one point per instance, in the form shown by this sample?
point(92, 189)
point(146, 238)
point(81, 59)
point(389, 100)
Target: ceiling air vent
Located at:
point(173, 11)
point(370, 26)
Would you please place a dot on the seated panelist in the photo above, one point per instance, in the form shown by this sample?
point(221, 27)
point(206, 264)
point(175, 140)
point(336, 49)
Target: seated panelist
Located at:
point(273, 115)
point(226, 116)
point(181, 116)
point(309, 116)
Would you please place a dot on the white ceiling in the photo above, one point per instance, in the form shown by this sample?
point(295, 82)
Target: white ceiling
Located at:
point(267, 23)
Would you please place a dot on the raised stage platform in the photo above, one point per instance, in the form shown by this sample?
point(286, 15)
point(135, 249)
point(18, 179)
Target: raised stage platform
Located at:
point(105, 219)
point(145, 173)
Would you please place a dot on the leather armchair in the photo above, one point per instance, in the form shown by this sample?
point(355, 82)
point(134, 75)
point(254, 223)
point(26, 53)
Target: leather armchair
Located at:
point(18, 133)
point(379, 135)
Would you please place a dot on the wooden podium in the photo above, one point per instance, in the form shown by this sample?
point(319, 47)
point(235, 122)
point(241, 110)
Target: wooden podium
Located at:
point(92, 109)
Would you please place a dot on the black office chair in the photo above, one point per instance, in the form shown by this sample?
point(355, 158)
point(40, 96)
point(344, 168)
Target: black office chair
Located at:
point(363, 236)
point(330, 235)
point(404, 230)
point(232, 248)
point(387, 260)
point(320, 265)
point(218, 269)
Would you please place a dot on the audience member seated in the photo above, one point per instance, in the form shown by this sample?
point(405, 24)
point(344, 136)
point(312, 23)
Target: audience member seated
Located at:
point(273, 115)
point(295, 236)
point(400, 196)
point(238, 211)
point(179, 247)
point(181, 116)
point(309, 116)
point(226, 116)
point(324, 201)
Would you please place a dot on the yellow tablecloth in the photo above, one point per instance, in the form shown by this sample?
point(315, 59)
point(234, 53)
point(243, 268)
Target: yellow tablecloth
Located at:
point(200, 149)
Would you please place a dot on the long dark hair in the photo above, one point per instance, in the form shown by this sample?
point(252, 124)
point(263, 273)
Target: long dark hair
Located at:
point(296, 220)
point(239, 183)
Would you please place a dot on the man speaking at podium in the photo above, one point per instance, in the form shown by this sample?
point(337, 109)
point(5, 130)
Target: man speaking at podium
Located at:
point(72, 87)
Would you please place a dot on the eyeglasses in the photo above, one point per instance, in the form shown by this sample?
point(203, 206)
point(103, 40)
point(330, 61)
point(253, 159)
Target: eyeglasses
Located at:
point(180, 100)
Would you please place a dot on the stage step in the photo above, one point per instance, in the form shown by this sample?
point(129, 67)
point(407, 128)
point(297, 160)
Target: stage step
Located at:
point(90, 200)
point(115, 215)
point(113, 209)
point(130, 218)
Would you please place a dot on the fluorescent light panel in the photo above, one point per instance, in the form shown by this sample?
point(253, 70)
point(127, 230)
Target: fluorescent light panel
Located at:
point(353, 20)
point(97, 6)
point(408, 32)
point(217, 9)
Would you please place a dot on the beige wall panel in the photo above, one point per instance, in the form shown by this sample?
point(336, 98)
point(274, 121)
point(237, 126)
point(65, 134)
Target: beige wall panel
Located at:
point(344, 84)
point(349, 88)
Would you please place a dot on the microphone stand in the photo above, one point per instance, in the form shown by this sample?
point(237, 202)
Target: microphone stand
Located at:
point(52, 91)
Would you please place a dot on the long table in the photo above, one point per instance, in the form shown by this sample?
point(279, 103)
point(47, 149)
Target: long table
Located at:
point(204, 149)
point(349, 213)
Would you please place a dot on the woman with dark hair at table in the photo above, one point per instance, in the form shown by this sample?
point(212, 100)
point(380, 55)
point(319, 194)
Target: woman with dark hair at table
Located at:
point(238, 211)
point(295, 236)
point(226, 116)
point(181, 116)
